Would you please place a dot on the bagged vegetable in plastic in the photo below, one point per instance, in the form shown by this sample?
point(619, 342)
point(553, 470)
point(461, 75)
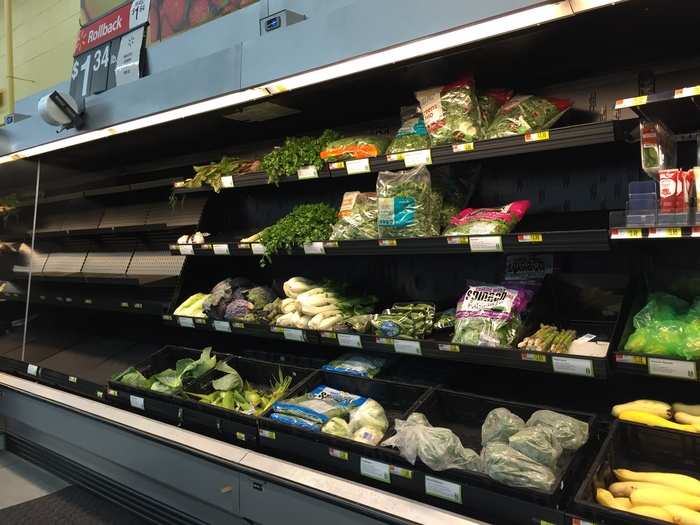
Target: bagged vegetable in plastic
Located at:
point(487, 221)
point(357, 218)
point(691, 349)
point(319, 405)
point(660, 307)
point(368, 435)
point(490, 101)
point(356, 365)
point(658, 148)
point(404, 200)
point(439, 448)
point(499, 425)
point(539, 443)
point(525, 113)
point(445, 320)
point(571, 433)
point(451, 112)
point(405, 320)
point(296, 421)
point(412, 134)
point(490, 315)
point(658, 338)
point(510, 467)
point(338, 427)
point(349, 148)
point(368, 414)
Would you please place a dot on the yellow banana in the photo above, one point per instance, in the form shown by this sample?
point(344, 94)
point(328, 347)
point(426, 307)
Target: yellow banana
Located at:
point(679, 482)
point(653, 512)
point(651, 420)
point(686, 419)
point(693, 410)
point(683, 516)
point(606, 499)
point(657, 408)
point(623, 489)
point(663, 497)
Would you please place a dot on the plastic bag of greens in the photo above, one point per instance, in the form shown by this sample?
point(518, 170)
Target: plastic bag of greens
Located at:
point(691, 349)
point(451, 112)
point(510, 467)
point(338, 427)
point(658, 147)
point(539, 443)
point(407, 320)
point(405, 204)
point(487, 221)
point(357, 218)
point(445, 320)
point(499, 425)
point(355, 148)
point(571, 433)
point(661, 307)
point(412, 134)
point(525, 113)
point(368, 414)
point(490, 101)
point(490, 315)
point(319, 405)
point(439, 448)
point(658, 338)
point(356, 365)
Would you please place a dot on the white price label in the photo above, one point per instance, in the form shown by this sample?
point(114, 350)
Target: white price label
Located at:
point(693, 91)
point(138, 13)
point(375, 470)
point(136, 402)
point(307, 172)
point(32, 370)
point(445, 347)
point(269, 434)
point(314, 248)
point(443, 489)
point(222, 326)
point(227, 181)
point(258, 249)
point(185, 322)
point(630, 102)
point(220, 249)
point(586, 338)
point(631, 359)
point(671, 368)
point(417, 158)
point(350, 340)
point(488, 243)
point(186, 249)
point(665, 233)
point(294, 334)
point(358, 166)
point(626, 233)
point(403, 346)
point(467, 146)
point(572, 366)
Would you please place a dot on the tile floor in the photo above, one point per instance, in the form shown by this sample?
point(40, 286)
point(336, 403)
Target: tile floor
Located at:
point(21, 481)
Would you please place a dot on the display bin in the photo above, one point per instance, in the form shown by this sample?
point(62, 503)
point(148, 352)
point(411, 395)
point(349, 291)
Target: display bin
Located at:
point(641, 448)
point(155, 404)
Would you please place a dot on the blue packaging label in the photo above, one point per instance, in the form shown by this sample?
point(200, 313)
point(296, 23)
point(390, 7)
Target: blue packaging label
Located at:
point(397, 211)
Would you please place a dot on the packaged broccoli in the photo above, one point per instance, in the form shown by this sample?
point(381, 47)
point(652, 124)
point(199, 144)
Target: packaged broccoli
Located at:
point(490, 101)
point(412, 135)
point(526, 113)
point(499, 425)
point(510, 467)
point(487, 221)
point(357, 218)
point(319, 405)
point(356, 365)
point(349, 148)
point(405, 204)
point(571, 433)
point(539, 443)
point(451, 112)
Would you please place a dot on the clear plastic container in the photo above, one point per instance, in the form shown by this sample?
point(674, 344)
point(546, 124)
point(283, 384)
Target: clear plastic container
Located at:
point(658, 150)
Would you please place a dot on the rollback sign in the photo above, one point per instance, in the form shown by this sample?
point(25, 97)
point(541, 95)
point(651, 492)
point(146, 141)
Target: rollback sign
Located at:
point(109, 50)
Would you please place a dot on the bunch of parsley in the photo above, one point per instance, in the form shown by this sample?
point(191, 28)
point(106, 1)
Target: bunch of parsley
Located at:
point(295, 153)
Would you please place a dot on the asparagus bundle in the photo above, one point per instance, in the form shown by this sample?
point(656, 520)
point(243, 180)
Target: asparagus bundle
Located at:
point(549, 339)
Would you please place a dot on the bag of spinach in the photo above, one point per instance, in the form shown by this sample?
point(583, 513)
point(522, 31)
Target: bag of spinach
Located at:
point(405, 200)
point(357, 218)
point(412, 135)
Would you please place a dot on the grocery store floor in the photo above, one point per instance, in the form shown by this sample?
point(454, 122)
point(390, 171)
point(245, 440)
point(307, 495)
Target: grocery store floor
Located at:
point(31, 495)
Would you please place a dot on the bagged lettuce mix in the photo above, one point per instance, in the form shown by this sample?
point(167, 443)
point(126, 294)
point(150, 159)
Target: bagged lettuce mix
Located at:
point(320, 405)
point(356, 365)
point(487, 221)
point(490, 101)
point(499, 425)
point(525, 113)
point(515, 469)
point(490, 315)
point(451, 112)
point(349, 148)
point(412, 134)
point(405, 201)
point(357, 218)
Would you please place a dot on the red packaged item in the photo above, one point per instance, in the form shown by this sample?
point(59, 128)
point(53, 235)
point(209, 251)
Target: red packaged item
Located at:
point(668, 189)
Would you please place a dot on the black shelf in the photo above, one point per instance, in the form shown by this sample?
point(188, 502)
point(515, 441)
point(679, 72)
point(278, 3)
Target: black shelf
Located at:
point(678, 109)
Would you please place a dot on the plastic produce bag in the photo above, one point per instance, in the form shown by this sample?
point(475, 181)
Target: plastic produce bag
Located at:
point(349, 148)
point(407, 320)
point(525, 113)
point(487, 221)
point(356, 365)
point(659, 338)
point(357, 218)
point(499, 425)
point(691, 349)
point(319, 405)
point(539, 443)
point(405, 204)
point(368, 414)
point(490, 315)
point(571, 433)
point(661, 307)
point(490, 101)
point(658, 149)
point(296, 421)
point(368, 435)
point(337, 426)
point(510, 467)
point(439, 448)
point(451, 112)
point(412, 135)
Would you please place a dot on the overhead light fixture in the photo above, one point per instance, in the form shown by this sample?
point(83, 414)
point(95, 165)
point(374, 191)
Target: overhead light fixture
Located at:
point(422, 47)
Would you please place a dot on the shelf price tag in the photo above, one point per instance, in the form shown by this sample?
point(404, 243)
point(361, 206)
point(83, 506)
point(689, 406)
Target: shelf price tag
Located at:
point(576, 521)
point(339, 454)
point(227, 181)
point(136, 402)
point(443, 489)
point(336, 165)
point(32, 370)
point(269, 434)
point(185, 322)
point(487, 243)
point(404, 346)
point(693, 91)
point(446, 347)
point(222, 326)
point(349, 340)
point(626, 233)
point(417, 158)
point(530, 237)
point(387, 242)
point(695, 232)
point(258, 249)
point(671, 368)
point(457, 239)
point(72, 379)
point(307, 172)
point(528, 356)
point(294, 334)
point(400, 472)
point(314, 248)
point(186, 249)
point(220, 249)
point(631, 359)
point(630, 102)
point(537, 136)
point(375, 470)
point(665, 233)
point(572, 366)
point(458, 148)
point(240, 436)
point(355, 167)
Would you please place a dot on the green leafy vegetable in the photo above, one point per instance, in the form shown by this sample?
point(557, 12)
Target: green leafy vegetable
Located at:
point(357, 218)
point(297, 152)
point(231, 381)
point(405, 203)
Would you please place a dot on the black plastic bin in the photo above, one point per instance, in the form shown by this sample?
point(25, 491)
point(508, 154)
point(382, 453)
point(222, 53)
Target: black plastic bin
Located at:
point(640, 448)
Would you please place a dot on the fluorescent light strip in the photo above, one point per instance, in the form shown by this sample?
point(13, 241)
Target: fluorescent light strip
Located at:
point(465, 35)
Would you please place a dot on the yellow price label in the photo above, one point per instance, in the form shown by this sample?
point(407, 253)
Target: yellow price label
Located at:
point(665, 233)
point(631, 102)
point(336, 165)
point(530, 237)
point(537, 137)
point(693, 91)
point(458, 148)
point(626, 233)
point(387, 242)
point(457, 239)
point(528, 356)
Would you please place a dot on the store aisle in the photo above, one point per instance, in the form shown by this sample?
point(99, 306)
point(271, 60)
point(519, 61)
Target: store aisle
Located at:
point(21, 481)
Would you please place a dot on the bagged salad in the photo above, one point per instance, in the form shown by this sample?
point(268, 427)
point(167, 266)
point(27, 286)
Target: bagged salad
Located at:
point(490, 101)
point(349, 148)
point(320, 405)
point(490, 315)
point(405, 320)
point(487, 221)
point(412, 134)
point(356, 365)
point(451, 112)
point(357, 218)
point(525, 113)
point(405, 200)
